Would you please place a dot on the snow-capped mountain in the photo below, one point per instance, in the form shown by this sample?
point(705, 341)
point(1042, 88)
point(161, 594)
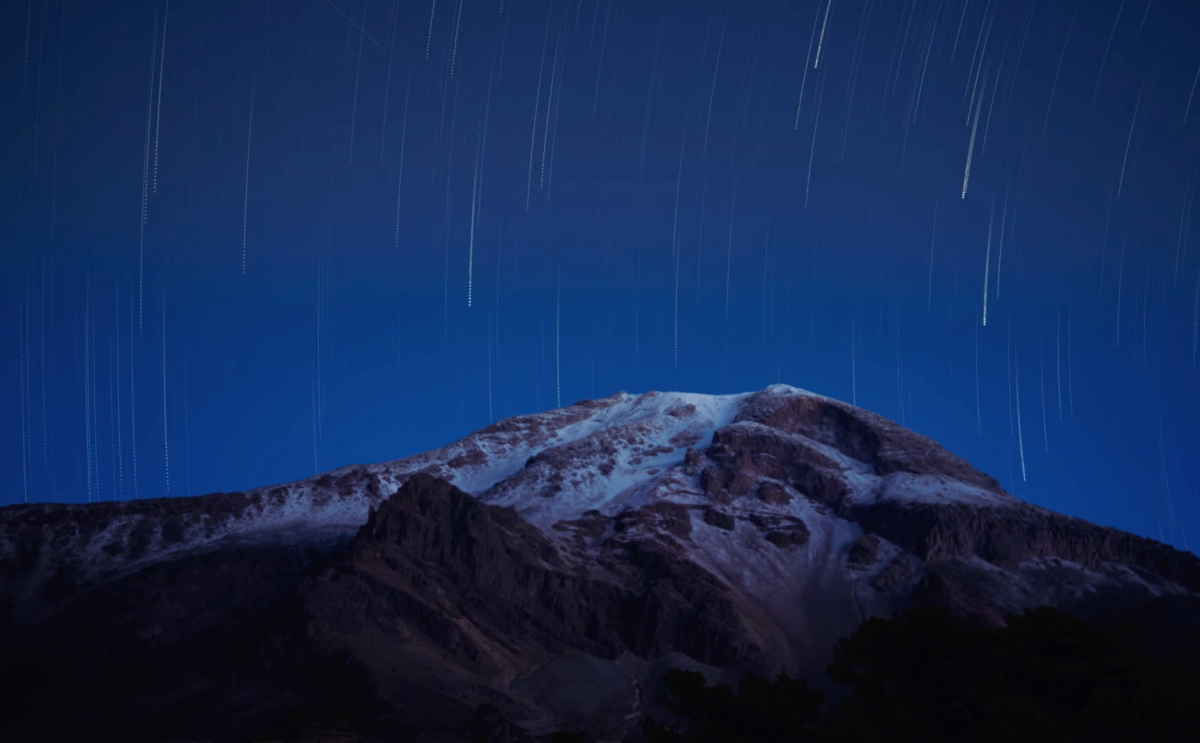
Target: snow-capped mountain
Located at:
point(552, 564)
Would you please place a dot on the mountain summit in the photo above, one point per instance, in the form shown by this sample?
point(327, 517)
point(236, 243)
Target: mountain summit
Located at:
point(538, 574)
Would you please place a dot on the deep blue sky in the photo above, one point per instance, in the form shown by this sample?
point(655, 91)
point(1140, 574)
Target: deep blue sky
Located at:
point(371, 228)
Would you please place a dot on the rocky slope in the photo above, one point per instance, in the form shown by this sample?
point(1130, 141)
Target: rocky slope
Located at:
point(548, 566)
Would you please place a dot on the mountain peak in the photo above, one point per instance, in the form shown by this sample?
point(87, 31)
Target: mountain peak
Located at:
point(589, 546)
point(617, 453)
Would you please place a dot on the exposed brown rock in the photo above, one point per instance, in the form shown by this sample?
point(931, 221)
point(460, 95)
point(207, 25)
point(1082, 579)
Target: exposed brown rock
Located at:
point(681, 607)
point(742, 455)
point(864, 551)
point(472, 457)
point(773, 493)
point(684, 439)
point(784, 539)
point(897, 574)
point(478, 588)
point(675, 518)
point(591, 526)
point(719, 519)
point(1007, 537)
point(861, 435)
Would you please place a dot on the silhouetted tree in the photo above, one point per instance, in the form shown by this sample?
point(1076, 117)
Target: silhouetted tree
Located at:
point(927, 676)
point(760, 710)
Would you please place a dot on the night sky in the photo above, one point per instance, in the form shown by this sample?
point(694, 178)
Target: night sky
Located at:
point(244, 242)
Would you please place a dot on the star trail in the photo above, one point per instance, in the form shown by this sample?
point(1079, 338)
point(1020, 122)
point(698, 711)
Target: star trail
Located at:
point(314, 233)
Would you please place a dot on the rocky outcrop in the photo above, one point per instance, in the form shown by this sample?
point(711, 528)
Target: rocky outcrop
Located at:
point(470, 584)
point(861, 435)
point(460, 574)
point(443, 593)
point(51, 553)
point(742, 456)
point(1008, 537)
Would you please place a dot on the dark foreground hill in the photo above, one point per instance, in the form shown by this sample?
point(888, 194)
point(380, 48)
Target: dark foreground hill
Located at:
point(926, 675)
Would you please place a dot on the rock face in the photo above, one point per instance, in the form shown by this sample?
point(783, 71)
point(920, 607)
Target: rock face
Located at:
point(440, 589)
point(539, 574)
